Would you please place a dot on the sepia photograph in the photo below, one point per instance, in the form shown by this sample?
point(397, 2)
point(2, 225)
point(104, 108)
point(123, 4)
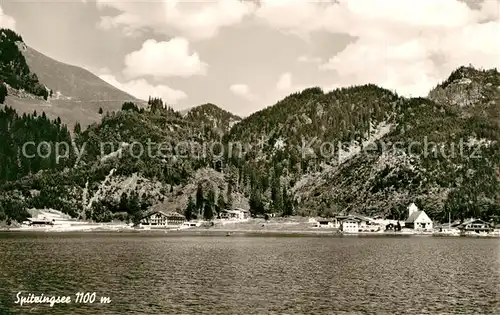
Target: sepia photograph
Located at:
point(249, 157)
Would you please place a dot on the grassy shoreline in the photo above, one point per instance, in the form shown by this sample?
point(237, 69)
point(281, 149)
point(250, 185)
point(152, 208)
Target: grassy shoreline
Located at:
point(208, 232)
point(292, 226)
point(201, 231)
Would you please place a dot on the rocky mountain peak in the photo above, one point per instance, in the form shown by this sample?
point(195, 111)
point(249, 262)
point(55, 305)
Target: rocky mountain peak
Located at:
point(468, 87)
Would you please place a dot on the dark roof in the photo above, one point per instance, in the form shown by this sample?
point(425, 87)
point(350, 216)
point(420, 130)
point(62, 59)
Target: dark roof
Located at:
point(449, 225)
point(353, 216)
point(175, 214)
point(474, 221)
point(40, 220)
point(352, 219)
point(166, 214)
point(326, 220)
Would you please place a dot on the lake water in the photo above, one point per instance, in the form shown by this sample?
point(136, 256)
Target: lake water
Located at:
point(161, 274)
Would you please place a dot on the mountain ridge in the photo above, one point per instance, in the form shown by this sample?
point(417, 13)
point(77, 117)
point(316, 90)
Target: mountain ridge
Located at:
point(71, 93)
point(282, 167)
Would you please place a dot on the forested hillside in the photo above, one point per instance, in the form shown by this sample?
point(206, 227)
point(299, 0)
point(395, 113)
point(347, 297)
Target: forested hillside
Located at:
point(212, 117)
point(14, 70)
point(23, 136)
point(31, 81)
point(360, 149)
point(27, 146)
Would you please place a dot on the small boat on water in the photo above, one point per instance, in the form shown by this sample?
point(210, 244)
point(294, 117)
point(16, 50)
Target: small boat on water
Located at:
point(229, 234)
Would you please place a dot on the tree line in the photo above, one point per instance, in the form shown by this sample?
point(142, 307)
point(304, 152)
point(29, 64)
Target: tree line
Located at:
point(21, 138)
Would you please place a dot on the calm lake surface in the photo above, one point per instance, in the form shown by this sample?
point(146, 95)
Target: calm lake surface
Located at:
point(161, 274)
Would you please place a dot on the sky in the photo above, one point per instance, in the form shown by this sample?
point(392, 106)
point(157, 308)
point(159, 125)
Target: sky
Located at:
point(247, 55)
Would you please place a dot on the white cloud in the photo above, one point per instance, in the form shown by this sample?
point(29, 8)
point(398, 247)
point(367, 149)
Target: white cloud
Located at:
point(285, 81)
point(131, 24)
point(199, 20)
point(308, 59)
point(405, 45)
point(295, 16)
point(143, 90)
point(164, 59)
point(6, 21)
point(242, 90)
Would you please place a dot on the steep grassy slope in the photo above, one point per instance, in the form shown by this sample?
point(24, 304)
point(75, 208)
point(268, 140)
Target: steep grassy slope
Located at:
point(73, 94)
point(75, 82)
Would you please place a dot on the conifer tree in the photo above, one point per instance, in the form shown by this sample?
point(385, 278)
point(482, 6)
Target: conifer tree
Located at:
point(123, 206)
point(255, 202)
point(229, 195)
point(77, 129)
point(287, 203)
point(208, 213)
point(3, 93)
point(130, 106)
point(221, 204)
point(199, 199)
point(211, 198)
point(276, 196)
point(134, 207)
point(190, 210)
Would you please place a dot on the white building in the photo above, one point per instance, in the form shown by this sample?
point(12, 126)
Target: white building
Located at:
point(160, 219)
point(350, 225)
point(50, 217)
point(418, 220)
point(326, 223)
point(476, 226)
point(358, 223)
point(237, 214)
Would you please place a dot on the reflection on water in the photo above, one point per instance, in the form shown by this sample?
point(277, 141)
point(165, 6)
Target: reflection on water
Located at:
point(145, 274)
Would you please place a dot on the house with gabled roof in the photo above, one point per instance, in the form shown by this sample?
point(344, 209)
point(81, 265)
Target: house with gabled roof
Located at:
point(475, 225)
point(418, 219)
point(235, 214)
point(350, 225)
point(326, 223)
point(359, 223)
point(160, 219)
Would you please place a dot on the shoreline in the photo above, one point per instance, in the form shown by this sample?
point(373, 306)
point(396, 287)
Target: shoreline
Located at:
point(254, 227)
point(213, 232)
point(230, 232)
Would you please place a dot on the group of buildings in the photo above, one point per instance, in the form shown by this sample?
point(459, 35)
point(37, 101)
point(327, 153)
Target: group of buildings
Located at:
point(55, 220)
point(157, 218)
point(417, 222)
point(472, 227)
